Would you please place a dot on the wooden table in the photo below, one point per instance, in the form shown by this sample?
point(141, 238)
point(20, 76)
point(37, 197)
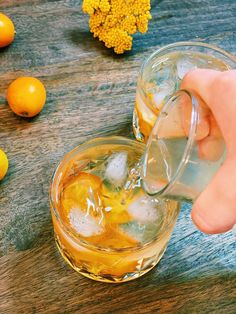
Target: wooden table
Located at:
point(91, 93)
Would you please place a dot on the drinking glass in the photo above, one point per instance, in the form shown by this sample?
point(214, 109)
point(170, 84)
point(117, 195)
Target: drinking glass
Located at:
point(105, 226)
point(161, 75)
point(184, 150)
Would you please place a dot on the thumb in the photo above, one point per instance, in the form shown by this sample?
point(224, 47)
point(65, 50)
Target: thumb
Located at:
point(215, 209)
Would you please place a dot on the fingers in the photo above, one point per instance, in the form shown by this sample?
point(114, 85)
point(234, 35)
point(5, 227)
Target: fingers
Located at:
point(217, 90)
point(210, 142)
point(215, 209)
point(199, 82)
point(170, 125)
point(203, 126)
point(212, 147)
point(177, 120)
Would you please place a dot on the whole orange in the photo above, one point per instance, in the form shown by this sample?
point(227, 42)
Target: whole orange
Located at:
point(3, 164)
point(7, 30)
point(26, 96)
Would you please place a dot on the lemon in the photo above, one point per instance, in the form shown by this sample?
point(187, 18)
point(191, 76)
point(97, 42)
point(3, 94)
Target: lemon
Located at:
point(3, 164)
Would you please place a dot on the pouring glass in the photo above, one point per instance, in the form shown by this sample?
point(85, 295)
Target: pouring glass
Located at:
point(184, 150)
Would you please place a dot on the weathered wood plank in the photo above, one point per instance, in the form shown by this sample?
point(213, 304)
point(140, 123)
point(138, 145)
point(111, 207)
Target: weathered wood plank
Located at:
point(91, 93)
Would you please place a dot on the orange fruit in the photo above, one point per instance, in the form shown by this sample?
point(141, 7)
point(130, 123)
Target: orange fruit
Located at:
point(79, 190)
point(3, 164)
point(26, 96)
point(7, 31)
point(118, 211)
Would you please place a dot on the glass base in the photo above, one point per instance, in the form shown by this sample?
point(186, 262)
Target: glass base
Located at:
point(106, 277)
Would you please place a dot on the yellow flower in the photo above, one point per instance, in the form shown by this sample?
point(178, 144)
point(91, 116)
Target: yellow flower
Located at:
point(114, 21)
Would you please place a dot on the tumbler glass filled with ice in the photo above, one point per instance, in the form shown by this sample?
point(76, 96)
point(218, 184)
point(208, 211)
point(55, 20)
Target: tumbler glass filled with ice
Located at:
point(161, 75)
point(105, 226)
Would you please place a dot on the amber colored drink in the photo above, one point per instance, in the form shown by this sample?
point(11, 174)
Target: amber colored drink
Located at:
point(105, 226)
point(161, 77)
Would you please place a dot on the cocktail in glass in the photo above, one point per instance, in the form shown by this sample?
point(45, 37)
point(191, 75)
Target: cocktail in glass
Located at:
point(161, 75)
point(105, 226)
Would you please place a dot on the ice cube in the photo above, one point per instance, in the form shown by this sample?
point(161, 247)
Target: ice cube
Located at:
point(134, 229)
point(166, 89)
point(143, 210)
point(83, 223)
point(117, 169)
point(184, 66)
point(140, 232)
point(163, 70)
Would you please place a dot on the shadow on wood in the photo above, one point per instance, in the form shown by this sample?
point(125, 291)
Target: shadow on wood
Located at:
point(146, 294)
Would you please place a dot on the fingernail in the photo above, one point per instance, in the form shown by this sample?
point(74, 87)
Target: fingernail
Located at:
point(202, 224)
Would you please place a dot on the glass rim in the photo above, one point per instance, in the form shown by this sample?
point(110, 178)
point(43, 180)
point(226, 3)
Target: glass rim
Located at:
point(69, 231)
point(185, 44)
point(188, 146)
point(179, 44)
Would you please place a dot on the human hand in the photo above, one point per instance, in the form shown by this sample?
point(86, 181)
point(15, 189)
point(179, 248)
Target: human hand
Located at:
point(215, 209)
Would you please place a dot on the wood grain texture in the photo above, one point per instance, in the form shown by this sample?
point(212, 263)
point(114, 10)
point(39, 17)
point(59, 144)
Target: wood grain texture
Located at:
point(91, 92)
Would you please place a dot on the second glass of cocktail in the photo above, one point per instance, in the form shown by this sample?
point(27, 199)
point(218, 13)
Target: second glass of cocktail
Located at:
point(186, 146)
point(161, 75)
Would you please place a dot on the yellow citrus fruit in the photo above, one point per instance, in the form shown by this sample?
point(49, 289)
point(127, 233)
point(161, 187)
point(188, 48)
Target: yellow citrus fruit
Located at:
point(7, 31)
point(26, 96)
point(78, 190)
point(3, 164)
